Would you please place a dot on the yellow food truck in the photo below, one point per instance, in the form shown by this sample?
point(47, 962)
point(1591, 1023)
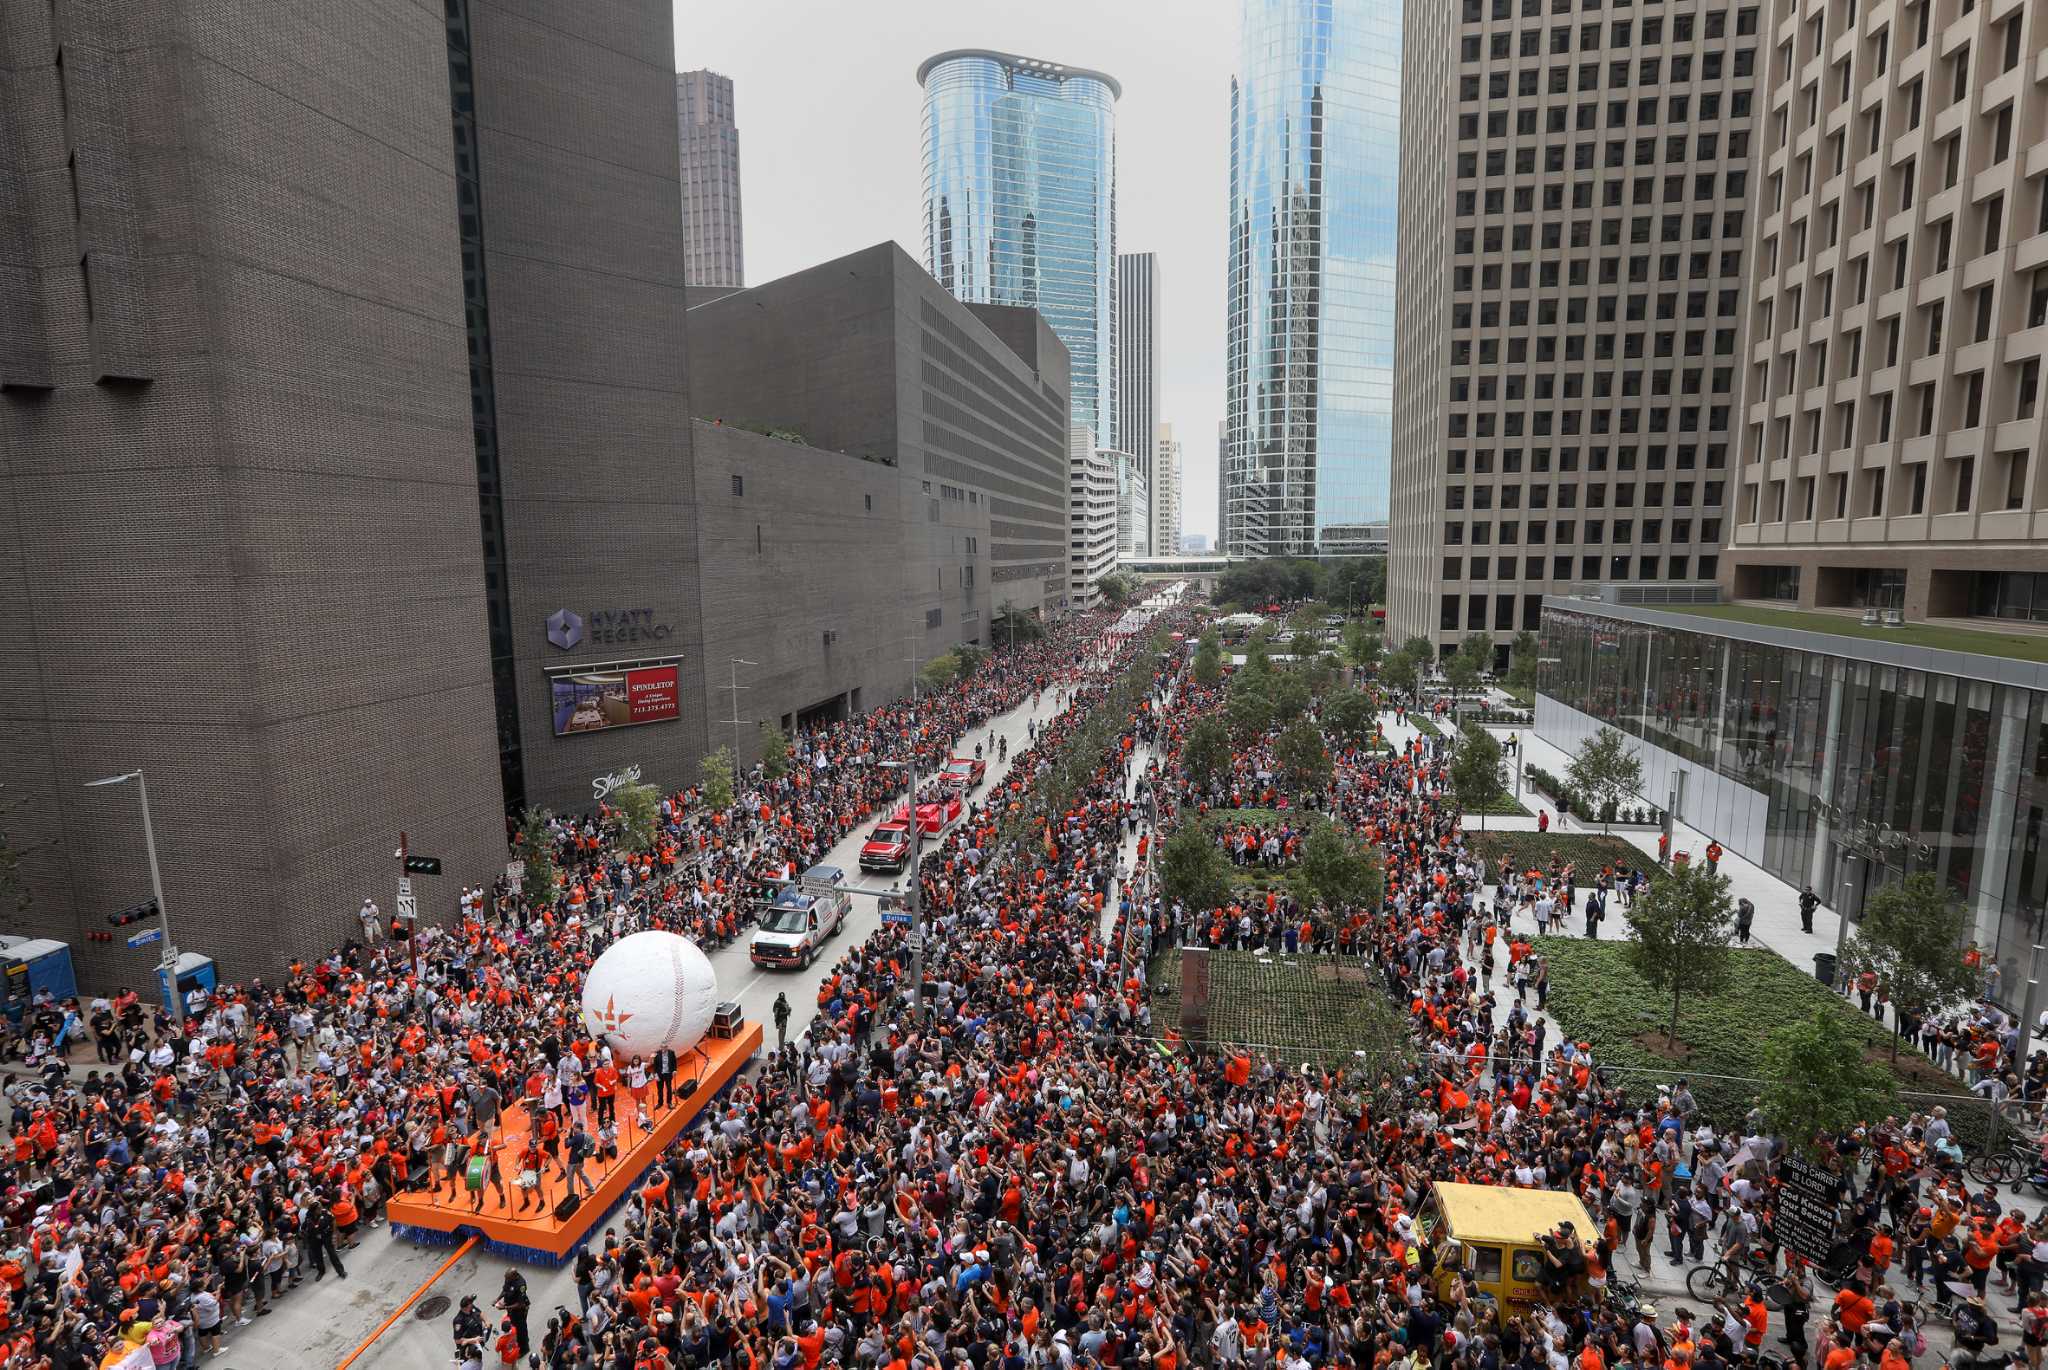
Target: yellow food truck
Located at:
point(1495, 1233)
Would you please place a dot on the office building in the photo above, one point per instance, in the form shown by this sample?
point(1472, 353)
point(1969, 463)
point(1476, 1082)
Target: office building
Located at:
point(1133, 509)
point(1826, 753)
point(865, 355)
point(1893, 429)
point(1137, 340)
point(709, 140)
point(1315, 150)
point(315, 411)
point(1575, 205)
point(1020, 204)
point(1166, 476)
point(1092, 479)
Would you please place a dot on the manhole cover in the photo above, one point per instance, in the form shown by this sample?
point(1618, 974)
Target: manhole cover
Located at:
point(431, 1308)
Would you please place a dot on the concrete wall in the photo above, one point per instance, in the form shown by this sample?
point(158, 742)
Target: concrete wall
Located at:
point(808, 545)
point(238, 503)
point(583, 229)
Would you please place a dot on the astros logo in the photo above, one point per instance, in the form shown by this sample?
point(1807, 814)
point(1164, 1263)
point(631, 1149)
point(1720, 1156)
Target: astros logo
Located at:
point(608, 1019)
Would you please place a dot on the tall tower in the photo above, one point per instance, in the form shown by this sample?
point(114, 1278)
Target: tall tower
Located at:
point(1020, 203)
point(1166, 493)
point(710, 142)
point(1314, 162)
point(1137, 322)
point(1572, 274)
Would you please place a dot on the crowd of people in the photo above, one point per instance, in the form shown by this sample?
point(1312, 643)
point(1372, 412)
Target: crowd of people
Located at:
point(1007, 1166)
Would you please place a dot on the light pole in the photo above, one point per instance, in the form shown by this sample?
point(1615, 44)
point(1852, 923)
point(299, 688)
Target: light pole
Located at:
point(737, 662)
point(169, 964)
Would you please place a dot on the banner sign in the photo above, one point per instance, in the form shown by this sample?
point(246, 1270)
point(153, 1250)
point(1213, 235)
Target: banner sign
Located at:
point(593, 701)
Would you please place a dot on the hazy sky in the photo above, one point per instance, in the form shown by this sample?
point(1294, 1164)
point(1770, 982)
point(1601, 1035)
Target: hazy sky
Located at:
point(830, 117)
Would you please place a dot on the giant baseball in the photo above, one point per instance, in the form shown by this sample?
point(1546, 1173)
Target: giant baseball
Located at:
point(648, 991)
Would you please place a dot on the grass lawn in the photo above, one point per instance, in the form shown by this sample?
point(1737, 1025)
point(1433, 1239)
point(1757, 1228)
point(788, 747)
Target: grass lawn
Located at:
point(1501, 808)
point(2018, 646)
point(1589, 852)
point(1322, 1009)
point(1423, 725)
point(1256, 877)
point(1596, 997)
point(1523, 694)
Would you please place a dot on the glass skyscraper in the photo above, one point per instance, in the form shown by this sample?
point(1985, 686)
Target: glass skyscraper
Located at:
point(1314, 161)
point(1020, 203)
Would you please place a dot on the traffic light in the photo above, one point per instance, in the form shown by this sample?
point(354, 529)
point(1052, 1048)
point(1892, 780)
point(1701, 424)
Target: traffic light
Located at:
point(422, 865)
point(135, 914)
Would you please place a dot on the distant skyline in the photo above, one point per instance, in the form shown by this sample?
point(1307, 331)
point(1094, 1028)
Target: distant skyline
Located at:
point(833, 115)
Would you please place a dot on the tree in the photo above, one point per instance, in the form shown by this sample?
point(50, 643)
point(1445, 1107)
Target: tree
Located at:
point(941, 671)
point(1304, 759)
point(1399, 673)
point(1352, 715)
point(1289, 695)
point(639, 807)
point(1461, 671)
point(1205, 754)
point(774, 751)
point(1522, 653)
point(1606, 772)
point(1475, 773)
point(1364, 646)
point(716, 772)
point(1258, 658)
point(1192, 871)
point(1421, 648)
point(1249, 710)
point(967, 659)
point(1817, 1082)
point(1682, 924)
point(1015, 626)
point(1319, 673)
point(1478, 648)
point(1343, 872)
point(1208, 661)
point(543, 878)
point(1911, 935)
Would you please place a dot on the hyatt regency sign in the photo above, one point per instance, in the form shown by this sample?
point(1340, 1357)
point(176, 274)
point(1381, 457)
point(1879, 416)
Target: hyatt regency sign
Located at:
point(569, 630)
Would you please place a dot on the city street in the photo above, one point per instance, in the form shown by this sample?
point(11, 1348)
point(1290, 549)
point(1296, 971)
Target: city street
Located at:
point(321, 1323)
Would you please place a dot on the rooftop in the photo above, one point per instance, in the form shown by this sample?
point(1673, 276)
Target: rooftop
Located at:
point(1051, 70)
point(2017, 644)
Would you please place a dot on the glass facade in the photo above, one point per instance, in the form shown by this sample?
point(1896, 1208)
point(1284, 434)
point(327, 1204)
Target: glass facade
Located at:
point(1020, 204)
point(1843, 772)
point(1315, 114)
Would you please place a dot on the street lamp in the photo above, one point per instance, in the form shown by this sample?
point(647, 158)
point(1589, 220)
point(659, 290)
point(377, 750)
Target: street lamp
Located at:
point(737, 662)
point(169, 963)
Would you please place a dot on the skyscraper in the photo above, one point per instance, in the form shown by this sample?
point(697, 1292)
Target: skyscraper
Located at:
point(1571, 267)
point(1137, 406)
point(1166, 493)
point(710, 145)
point(1020, 203)
point(1314, 162)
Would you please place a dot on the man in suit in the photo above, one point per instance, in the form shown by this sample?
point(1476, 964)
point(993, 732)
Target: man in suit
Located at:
point(664, 1077)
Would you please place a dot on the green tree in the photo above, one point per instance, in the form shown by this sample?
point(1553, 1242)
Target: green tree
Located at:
point(1681, 926)
point(717, 775)
point(1249, 709)
point(941, 671)
point(1118, 589)
point(1258, 657)
point(1304, 759)
point(1343, 872)
point(639, 807)
point(1461, 671)
point(1475, 773)
point(1289, 694)
point(1364, 646)
point(1352, 715)
point(1205, 754)
point(1478, 648)
point(1818, 1084)
point(543, 879)
point(1319, 673)
point(1192, 871)
point(1421, 648)
point(967, 659)
point(774, 751)
point(1014, 626)
point(1208, 666)
point(1606, 772)
point(1522, 654)
point(1400, 674)
point(1912, 936)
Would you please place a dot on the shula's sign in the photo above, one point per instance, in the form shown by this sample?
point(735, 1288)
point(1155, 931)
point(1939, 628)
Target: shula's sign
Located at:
point(611, 782)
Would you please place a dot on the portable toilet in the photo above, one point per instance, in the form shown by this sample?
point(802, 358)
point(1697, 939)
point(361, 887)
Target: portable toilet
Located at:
point(30, 966)
point(194, 972)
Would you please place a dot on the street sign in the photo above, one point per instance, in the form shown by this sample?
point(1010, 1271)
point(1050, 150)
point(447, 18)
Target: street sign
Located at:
point(145, 937)
point(423, 865)
point(408, 907)
point(915, 942)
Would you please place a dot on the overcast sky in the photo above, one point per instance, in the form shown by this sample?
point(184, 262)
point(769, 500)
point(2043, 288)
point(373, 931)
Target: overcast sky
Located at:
point(830, 117)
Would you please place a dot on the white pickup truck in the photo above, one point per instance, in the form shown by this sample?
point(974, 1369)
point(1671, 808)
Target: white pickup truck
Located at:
point(799, 919)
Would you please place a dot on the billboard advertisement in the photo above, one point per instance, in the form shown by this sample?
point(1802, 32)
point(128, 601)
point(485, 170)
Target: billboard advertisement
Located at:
point(592, 701)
